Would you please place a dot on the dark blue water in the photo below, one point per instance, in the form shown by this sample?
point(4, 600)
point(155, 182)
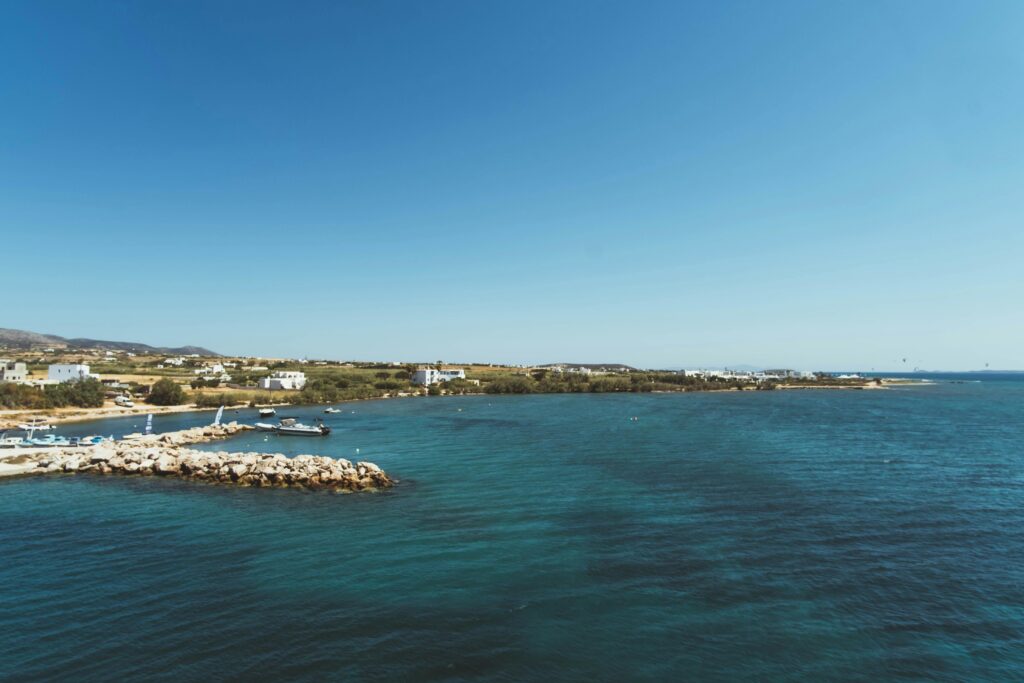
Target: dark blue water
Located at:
point(814, 535)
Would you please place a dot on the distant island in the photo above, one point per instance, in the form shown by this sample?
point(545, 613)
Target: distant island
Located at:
point(22, 339)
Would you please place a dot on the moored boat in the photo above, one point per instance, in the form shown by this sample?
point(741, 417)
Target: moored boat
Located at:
point(332, 410)
point(267, 412)
point(79, 441)
point(292, 427)
point(36, 424)
point(11, 441)
point(49, 441)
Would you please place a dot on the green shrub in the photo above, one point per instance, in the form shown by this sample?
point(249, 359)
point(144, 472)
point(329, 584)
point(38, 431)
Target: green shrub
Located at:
point(166, 392)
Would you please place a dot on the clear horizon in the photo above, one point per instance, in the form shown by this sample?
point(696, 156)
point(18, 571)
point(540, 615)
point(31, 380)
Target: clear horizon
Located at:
point(672, 185)
point(456, 361)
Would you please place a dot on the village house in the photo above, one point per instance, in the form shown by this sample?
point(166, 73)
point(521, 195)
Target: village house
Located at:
point(11, 371)
point(429, 376)
point(69, 372)
point(284, 380)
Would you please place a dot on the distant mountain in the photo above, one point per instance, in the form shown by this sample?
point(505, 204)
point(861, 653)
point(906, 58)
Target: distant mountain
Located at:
point(22, 339)
point(608, 367)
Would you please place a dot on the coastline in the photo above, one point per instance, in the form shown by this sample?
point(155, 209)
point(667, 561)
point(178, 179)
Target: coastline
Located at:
point(10, 418)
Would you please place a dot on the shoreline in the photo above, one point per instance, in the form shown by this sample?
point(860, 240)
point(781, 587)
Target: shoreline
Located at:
point(9, 419)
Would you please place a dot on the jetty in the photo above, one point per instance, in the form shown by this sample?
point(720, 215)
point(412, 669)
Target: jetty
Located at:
point(168, 455)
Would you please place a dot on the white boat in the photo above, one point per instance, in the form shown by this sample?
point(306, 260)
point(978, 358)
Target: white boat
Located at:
point(331, 411)
point(136, 435)
point(291, 427)
point(36, 424)
point(49, 441)
point(267, 412)
point(85, 441)
point(11, 441)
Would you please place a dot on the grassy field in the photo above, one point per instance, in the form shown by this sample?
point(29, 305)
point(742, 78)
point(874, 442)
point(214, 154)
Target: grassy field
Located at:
point(339, 381)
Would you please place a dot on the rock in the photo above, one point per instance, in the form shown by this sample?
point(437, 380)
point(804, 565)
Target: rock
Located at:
point(166, 454)
point(101, 454)
point(166, 464)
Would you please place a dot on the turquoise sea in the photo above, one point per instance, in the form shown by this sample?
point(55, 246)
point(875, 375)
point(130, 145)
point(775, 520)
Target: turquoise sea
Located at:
point(782, 536)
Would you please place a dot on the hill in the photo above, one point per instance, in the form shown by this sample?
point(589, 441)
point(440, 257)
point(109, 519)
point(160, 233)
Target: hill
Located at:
point(23, 339)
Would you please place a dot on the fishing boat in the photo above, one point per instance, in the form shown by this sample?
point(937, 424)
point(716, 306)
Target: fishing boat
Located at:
point(85, 441)
point(49, 441)
point(267, 412)
point(332, 410)
point(292, 427)
point(11, 441)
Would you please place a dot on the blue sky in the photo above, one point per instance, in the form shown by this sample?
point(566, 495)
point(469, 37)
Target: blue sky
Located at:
point(814, 185)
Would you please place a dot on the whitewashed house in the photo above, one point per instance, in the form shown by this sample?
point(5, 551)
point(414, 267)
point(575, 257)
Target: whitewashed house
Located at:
point(11, 371)
point(428, 376)
point(284, 380)
point(69, 372)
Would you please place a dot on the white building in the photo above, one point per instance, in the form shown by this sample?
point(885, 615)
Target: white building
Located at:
point(284, 380)
point(428, 376)
point(69, 372)
point(11, 371)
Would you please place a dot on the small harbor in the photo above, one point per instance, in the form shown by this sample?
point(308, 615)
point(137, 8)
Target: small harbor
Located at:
point(169, 454)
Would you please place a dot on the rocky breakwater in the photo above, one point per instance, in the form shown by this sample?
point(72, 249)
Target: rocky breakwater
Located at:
point(166, 455)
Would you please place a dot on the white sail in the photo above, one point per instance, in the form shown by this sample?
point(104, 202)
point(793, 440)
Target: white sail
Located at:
point(220, 414)
point(149, 424)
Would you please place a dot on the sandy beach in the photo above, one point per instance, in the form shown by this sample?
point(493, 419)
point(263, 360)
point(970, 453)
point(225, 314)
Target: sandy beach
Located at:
point(9, 419)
